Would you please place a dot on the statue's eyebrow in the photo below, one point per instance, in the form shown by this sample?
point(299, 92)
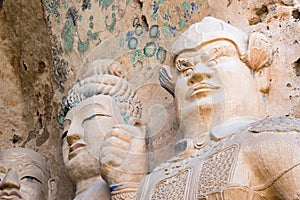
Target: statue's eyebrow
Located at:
point(95, 115)
point(211, 53)
point(32, 164)
point(2, 169)
point(188, 60)
point(217, 51)
point(96, 109)
point(44, 171)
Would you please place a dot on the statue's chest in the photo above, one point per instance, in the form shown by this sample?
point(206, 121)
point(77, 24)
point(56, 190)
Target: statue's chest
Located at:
point(196, 177)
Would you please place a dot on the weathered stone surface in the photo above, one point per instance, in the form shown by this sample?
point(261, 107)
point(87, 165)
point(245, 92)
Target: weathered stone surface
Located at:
point(28, 103)
point(41, 61)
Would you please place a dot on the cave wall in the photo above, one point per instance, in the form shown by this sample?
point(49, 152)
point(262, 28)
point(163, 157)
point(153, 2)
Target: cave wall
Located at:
point(45, 45)
point(28, 105)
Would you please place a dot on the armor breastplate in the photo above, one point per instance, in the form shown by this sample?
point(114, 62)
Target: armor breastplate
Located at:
point(213, 171)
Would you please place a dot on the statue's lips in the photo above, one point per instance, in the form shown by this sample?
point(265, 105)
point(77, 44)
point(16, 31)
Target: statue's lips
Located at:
point(76, 146)
point(72, 151)
point(10, 195)
point(200, 87)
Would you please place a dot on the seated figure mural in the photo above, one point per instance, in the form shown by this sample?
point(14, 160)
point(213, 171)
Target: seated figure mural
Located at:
point(25, 174)
point(231, 150)
point(99, 105)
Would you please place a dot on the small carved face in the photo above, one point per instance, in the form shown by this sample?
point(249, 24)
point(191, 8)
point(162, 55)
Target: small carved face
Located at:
point(22, 177)
point(85, 128)
point(212, 78)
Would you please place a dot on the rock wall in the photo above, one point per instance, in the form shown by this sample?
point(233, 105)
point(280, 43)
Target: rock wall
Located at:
point(45, 45)
point(28, 104)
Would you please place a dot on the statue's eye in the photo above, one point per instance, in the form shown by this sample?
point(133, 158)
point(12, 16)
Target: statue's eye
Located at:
point(212, 62)
point(187, 72)
point(31, 179)
point(183, 65)
point(64, 135)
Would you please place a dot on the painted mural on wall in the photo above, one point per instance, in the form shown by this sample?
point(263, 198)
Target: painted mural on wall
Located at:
point(145, 29)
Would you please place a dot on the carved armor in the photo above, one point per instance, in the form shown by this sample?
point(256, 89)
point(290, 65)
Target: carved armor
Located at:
point(258, 161)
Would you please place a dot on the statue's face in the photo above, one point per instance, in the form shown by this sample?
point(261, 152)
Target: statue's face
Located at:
point(85, 128)
point(213, 79)
point(22, 176)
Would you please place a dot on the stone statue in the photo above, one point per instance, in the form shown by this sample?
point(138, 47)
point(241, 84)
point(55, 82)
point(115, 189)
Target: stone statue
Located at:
point(99, 105)
point(230, 151)
point(25, 174)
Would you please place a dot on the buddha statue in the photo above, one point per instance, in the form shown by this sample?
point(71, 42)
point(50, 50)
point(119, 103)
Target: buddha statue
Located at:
point(100, 103)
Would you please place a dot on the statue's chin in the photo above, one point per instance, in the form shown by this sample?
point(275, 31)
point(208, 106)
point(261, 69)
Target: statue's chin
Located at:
point(200, 115)
point(83, 166)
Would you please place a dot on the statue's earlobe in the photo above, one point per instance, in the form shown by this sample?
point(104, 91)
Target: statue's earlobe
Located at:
point(52, 188)
point(262, 77)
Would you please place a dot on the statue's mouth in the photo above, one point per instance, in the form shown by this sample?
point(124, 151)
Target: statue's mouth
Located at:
point(74, 148)
point(10, 195)
point(200, 88)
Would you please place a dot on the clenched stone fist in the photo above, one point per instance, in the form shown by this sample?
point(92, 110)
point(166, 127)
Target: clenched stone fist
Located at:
point(124, 161)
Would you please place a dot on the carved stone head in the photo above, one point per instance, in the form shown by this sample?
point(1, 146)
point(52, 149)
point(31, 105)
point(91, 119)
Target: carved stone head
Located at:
point(220, 72)
point(25, 175)
point(100, 100)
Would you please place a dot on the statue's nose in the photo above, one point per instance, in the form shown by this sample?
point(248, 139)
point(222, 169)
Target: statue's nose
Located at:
point(10, 180)
point(74, 133)
point(200, 73)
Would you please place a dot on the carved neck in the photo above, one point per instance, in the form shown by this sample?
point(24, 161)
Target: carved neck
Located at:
point(231, 126)
point(84, 185)
point(204, 119)
point(222, 130)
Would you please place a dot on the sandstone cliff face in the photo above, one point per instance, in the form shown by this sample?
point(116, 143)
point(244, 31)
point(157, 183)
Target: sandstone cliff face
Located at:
point(44, 46)
point(28, 105)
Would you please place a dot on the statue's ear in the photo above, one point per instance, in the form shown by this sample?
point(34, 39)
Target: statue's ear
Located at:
point(259, 58)
point(52, 188)
point(262, 77)
point(166, 79)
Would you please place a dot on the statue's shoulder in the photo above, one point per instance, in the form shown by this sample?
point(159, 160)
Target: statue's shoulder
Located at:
point(275, 124)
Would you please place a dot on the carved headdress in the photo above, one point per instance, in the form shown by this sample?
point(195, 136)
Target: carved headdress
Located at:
point(254, 50)
point(207, 31)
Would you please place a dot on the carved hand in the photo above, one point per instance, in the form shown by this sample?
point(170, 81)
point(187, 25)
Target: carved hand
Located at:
point(123, 156)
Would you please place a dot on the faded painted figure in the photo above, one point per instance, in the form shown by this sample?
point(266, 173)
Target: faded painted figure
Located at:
point(231, 150)
point(99, 105)
point(25, 174)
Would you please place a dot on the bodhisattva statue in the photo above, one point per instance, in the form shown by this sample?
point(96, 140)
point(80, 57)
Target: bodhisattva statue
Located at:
point(98, 106)
point(231, 150)
point(25, 174)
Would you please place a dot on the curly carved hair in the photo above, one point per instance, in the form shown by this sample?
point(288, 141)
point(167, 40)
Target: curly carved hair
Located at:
point(104, 77)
